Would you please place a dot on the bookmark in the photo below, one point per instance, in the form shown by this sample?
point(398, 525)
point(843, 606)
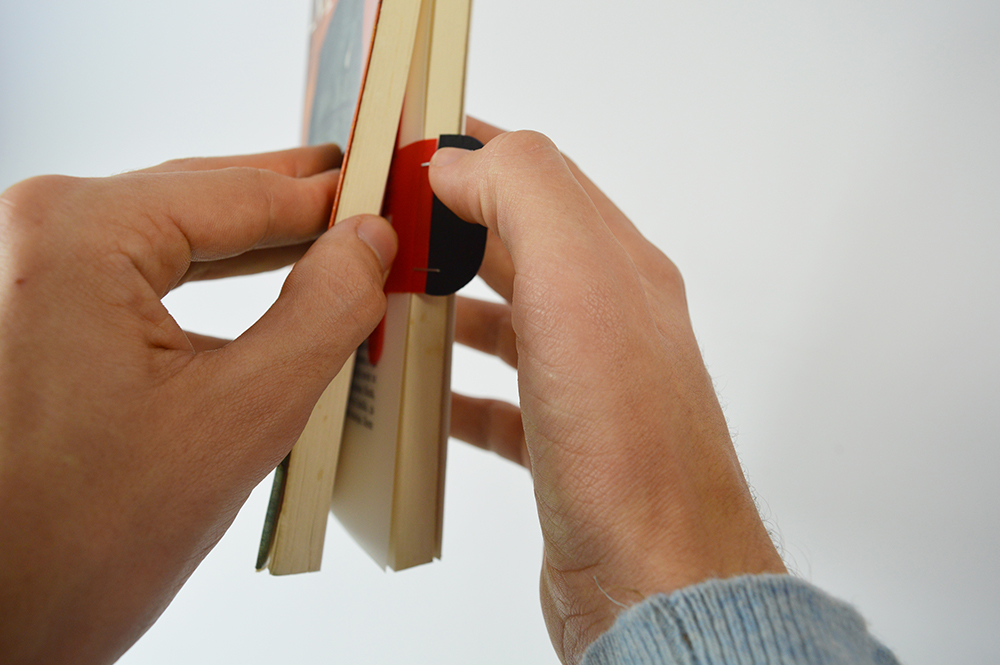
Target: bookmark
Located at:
point(438, 252)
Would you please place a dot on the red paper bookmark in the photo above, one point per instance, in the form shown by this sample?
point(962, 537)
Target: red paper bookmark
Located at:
point(439, 253)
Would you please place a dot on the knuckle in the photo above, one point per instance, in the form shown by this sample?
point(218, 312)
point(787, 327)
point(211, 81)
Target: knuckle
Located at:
point(573, 166)
point(513, 158)
point(29, 209)
point(524, 147)
point(526, 140)
point(669, 276)
point(660, 274)
point(38, 234)
point(31, 199)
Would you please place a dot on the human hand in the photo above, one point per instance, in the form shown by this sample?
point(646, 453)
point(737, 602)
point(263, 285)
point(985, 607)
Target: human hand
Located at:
point(128, 446)
point(638, 486)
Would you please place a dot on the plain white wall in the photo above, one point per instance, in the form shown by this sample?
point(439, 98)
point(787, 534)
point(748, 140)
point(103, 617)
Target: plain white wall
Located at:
point(826, 176)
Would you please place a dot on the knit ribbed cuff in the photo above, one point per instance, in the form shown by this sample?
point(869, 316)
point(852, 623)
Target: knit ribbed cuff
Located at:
point(760, 619)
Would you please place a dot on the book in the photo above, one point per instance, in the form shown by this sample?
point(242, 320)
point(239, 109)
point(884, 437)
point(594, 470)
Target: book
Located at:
point(360, 52)
point(387, 489)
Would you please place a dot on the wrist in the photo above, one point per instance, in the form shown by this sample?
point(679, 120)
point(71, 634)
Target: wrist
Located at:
point(685, 544)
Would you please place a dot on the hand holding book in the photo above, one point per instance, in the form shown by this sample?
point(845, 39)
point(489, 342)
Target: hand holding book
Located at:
point(638, 486)
point(127, 446)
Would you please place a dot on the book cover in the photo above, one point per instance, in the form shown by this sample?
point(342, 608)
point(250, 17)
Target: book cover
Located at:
point(360, 54)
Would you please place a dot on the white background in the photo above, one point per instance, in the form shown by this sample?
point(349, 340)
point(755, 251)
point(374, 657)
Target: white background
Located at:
point(826, 175)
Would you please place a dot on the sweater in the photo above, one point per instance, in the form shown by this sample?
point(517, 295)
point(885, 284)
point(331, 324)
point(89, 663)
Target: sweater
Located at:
point(760, 619)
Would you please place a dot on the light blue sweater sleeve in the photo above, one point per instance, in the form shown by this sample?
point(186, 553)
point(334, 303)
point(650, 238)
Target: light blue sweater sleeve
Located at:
point(765, 619)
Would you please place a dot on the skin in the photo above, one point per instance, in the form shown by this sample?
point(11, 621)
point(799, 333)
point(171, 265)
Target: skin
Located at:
point(638, 486)
point(127, 445)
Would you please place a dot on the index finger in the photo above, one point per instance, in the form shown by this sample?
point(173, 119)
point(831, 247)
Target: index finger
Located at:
point(652, 264)
point(295, 162)
point(522, 189)
point(483, 131)
point(163, 221)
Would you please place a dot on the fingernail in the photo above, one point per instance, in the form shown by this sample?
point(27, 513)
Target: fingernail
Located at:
point(378, 234)
point(446, 156)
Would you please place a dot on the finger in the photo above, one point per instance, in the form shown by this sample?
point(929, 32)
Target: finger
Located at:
point(485, 326)
point(330, 302)
point(612, 215)
point(486, 132)
point(653, 264)
point(491, 425)
point(521, 188)
point(626, 232)
point(164, 221)
point(497, 269)
point(295, 163)
point(250, 263)
point(616, 220)
point(483, 131)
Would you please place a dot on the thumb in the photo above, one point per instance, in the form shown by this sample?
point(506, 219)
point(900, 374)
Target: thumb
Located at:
point(521, 188)
point(330, 302)
point(574, 280)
